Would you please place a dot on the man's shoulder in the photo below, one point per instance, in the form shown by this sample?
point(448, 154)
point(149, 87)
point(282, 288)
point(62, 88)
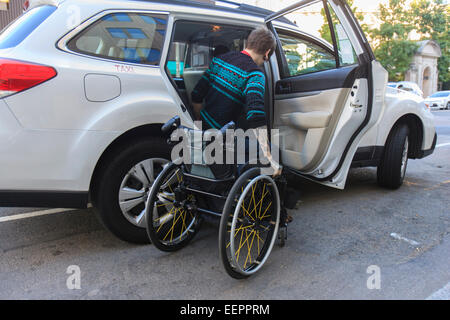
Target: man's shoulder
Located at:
point(240, 61)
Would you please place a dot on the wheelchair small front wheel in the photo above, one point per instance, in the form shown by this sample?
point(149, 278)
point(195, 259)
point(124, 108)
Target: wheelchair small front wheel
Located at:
point(249, 224)
point(170, 225)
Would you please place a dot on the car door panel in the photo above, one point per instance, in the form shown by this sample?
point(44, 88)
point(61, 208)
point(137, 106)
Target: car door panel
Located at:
point(318, 81)
point(321, 116)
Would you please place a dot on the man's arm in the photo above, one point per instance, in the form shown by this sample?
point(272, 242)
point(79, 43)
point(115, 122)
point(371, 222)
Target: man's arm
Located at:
point(256, 116)
point(200, 91)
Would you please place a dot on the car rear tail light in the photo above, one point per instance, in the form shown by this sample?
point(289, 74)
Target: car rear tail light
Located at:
point(26, 5)
point(17, 76)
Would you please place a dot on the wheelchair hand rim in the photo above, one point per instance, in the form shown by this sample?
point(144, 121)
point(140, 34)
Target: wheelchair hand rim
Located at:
point(235, 217)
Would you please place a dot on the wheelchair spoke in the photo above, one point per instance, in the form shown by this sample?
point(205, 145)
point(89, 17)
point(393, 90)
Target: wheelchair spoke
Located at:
point(262, 200)
point(256, 206)
point(183, 227)
point(163, 220)
point(172, 180)
point(264, 215)
point(249, 251)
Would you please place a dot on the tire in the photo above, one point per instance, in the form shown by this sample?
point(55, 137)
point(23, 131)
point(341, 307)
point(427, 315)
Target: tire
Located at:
point(170, 226)
point(114, 177)
point(392, 169)
point(262, 224)
point(448, 106)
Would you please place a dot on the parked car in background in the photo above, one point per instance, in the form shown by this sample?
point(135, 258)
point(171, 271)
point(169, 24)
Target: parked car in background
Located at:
point(81, 107)
point(440, 100)
point(407, 86)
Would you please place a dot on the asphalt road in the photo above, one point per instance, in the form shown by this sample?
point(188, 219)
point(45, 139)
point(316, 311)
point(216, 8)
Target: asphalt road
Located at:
point(335, 237)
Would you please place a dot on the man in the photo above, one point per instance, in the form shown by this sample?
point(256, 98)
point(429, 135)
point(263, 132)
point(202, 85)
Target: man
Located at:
point(233, 88)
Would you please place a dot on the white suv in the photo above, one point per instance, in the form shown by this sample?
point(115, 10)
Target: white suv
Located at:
point(85, 87)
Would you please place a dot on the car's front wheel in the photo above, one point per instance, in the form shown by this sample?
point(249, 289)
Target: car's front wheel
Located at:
point(124, 186)
point(392, 168)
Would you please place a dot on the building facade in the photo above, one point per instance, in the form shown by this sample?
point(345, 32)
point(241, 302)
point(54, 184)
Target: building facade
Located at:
point(424, 67)
point(9, 11)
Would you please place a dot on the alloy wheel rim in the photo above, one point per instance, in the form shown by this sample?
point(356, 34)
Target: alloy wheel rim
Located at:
point(405, 157)
point(135, 188)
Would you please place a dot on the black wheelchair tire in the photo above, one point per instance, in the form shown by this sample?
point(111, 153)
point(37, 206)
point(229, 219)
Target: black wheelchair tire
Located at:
point(229, 212)
point(151, 231)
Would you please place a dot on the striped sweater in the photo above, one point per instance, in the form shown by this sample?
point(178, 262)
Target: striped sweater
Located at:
point(233, 90)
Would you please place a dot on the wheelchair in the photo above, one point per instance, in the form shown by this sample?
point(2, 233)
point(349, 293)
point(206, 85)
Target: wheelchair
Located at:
point(247, 202)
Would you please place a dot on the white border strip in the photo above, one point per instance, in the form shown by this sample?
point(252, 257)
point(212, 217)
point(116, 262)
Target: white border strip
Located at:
point(33, 214)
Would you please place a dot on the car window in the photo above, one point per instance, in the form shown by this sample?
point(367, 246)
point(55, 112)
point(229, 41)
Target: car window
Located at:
point(176, 60)
point(195, 44)
point(19, 30)
point(347, 54)
point(127, 37)
point(313, 49)
point(304, 56)
point(440, 95)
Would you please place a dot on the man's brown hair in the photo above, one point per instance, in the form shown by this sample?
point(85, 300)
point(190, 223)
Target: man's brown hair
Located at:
point(261, 40)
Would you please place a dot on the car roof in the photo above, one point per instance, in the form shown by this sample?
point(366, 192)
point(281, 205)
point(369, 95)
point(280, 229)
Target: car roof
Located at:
point(227, 6)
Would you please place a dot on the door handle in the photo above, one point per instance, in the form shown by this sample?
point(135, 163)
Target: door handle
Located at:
point(356, 106)
point(284, 88)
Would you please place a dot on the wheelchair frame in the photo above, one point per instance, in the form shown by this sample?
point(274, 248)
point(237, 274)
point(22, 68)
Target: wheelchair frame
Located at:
point(241, 212)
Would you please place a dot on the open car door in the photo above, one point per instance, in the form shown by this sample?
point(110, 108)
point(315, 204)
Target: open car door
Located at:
point(329, 90)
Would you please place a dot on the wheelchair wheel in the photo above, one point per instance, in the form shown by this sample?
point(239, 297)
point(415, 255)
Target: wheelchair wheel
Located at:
point(249, 224)
point(170, 225)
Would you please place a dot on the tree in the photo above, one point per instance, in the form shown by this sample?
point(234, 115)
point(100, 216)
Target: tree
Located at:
point(393, 48)
point(325, 30)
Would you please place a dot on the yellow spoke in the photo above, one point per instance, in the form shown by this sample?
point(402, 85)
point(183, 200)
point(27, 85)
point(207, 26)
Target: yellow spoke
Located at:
point(242, 244)
point(253, 195)
point(183, 227)
point(254, 209)
point(262, 200)
point(246, 212)
point(173, 226)
point(236, 233)
point(163, 205)
point(257, 235)
point(264, 215)
point(249, 250)
point(159, 219)
point(250, 203)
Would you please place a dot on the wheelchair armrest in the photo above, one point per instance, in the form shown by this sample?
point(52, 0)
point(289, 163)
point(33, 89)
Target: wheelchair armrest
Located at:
point(171, 125)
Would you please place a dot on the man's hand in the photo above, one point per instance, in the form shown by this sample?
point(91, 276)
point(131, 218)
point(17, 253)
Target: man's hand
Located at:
point(277, 169)
point(263, 142)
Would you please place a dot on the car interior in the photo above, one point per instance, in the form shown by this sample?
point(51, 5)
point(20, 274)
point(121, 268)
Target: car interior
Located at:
point(128, 37)
point(317, 81)
point(193, 47)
